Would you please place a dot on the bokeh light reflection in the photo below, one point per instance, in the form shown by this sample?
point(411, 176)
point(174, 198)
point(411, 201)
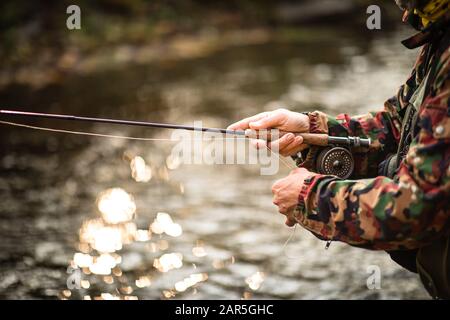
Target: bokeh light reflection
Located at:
point(255, 281)
point(140, 171)
point(116, 206)
point(164, 224)
point(168, 262)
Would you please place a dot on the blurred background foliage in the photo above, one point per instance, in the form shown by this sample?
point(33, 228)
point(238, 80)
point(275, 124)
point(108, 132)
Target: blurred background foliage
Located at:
point(28, 26)
point(37, 49)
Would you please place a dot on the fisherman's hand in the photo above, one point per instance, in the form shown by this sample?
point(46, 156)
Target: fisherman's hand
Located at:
point(286, 192)
point(282, 119)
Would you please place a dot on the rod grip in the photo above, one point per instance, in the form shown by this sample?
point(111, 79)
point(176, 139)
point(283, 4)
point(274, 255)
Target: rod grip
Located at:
point(316, 139)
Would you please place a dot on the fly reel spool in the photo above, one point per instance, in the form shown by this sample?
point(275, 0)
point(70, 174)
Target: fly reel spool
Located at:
point(330, 155)
point(336, 161)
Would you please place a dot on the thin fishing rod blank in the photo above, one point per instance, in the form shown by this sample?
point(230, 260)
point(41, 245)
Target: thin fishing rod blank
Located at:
point(122, 122)
point(334, 158)
point(308, 138)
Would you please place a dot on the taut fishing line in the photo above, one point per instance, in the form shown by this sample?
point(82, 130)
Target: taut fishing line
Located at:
point(92, 134)
point(291, 236)
point(286, 243)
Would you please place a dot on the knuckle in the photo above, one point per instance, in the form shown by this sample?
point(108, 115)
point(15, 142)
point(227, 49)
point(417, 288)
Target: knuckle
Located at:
point(302, 169)
point(274, 189)
point(282, 111)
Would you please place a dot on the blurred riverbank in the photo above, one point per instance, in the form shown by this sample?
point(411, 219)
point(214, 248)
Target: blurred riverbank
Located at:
point(38, 49)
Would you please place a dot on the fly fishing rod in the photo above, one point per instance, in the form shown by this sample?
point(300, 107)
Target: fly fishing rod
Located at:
point(115, 121)
point(335, 158)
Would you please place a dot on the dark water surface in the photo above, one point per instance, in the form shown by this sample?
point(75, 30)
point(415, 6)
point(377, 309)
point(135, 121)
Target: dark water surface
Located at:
point(217, 234)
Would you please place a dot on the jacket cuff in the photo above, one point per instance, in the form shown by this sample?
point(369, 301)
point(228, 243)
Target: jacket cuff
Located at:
point(308, 185)
point(318, 122)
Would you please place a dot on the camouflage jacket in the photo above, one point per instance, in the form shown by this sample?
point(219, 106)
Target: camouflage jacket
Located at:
point(376, 212)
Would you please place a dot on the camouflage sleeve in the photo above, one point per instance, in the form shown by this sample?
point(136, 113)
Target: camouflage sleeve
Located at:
point(383, 128)
point(389, 214)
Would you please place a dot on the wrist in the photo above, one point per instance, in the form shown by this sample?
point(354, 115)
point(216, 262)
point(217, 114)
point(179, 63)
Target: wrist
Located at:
point(301, 121)
point(306, 121)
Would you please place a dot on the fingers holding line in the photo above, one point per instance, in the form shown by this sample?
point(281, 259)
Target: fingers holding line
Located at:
point(287, 145)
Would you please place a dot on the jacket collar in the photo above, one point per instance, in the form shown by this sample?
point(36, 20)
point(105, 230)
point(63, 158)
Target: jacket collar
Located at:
point(428, 34)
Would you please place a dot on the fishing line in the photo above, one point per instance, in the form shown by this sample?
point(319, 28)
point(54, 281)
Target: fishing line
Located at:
point(291, 236)
point(286, 243)
point(21, 125)
point(92, 134)
point(287, 164)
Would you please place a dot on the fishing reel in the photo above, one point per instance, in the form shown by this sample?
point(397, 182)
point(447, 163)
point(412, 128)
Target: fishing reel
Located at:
point(328, 155)
point(334, 159)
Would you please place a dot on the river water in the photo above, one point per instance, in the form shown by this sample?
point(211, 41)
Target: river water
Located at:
point(98, 218)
